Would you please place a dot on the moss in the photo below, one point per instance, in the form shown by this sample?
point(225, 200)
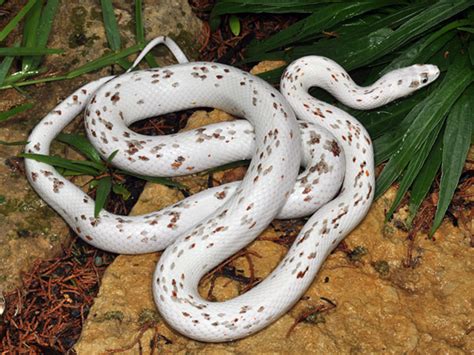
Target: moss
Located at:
point(148, 316)
point(382, 267)
point(315, 318)
point(35, 216)
point(78, 36)
point(111, 315)
point(357, 253)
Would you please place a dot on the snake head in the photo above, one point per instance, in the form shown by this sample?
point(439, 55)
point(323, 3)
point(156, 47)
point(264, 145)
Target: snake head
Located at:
point(407, 80)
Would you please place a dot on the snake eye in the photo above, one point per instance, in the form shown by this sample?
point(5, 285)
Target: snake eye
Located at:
point(424, 78)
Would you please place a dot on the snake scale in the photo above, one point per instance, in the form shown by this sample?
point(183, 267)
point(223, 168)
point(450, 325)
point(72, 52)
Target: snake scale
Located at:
point(203, 230)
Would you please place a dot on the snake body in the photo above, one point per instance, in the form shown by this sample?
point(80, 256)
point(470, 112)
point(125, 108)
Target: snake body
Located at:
point(207, 228)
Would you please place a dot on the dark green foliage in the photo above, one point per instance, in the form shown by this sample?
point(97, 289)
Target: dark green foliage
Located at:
point(417, 135)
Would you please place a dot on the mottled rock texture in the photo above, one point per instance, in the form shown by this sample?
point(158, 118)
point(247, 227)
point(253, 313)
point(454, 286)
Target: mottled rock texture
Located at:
point(29, 229)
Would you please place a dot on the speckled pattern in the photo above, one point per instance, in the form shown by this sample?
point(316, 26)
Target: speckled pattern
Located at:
point(207, 228)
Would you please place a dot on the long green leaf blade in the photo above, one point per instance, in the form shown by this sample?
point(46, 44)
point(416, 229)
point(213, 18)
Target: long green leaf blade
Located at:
point(74, 165)
point(104, 187)
point(5, 68)
point(155, 179)
point(82, 144)
point(323, 19)
point(425, 178)
point(428, 114)
point(30, 30)
point(105, 60)
point(140, 32)
point(456, 142)
point(111, 26)
point(413, 169)
point(28, 51)
point(44, 29)
point(15, 111)
point(18, 17)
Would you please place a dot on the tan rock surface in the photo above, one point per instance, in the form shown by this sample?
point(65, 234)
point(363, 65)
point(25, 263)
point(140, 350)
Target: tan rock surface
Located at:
point(29, 229)
point(381, 305)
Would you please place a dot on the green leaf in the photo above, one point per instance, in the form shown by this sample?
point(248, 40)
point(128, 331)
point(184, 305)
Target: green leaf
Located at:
point(30, 31)
point(82, 144)
point(27, 51)
point(112, 156)
point(422, 50)
point(232, 165)
point(140, 32)
point(251, 6)
point(5, 68)
point(352, 53)
point(456, 142)
point(234, 24)
point(74, 165)
point(471, 52)
point(33, 82)
point(119, 189)
point(13, 143)
point(427, 115)
point(466, 29)
point(157, 180)
point(15, 111)
point(44, 29)
point(320, 20)
point(111, 26)
point(139, 27)
point(18, 17)
point(413, 169)
point(105, 60)
point(425, 178)
point(104, 187)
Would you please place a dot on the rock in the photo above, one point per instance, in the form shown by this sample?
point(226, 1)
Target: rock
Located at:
point(379, 309)
point(30, 229)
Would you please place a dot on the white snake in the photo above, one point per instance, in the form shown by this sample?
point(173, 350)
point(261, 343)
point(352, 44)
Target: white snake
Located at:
point(208, 227)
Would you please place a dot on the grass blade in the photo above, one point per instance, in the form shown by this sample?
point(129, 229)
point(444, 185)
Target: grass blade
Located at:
point(324, 18)
point(157, 180)
point(104, 187)
point(112, 156)
point(44, 29)
point(18, 17)
point(82, 144)
point(13, 143)
point(423, 49)
point(428, 114)
point(111, 26)
point(119, 189)
point(456, 141)
point(14, 111)
point(471, 52)
point(232, 165)
point(424, 180)
point(353, 53)
point(105, 60)
point(413, 169)
point(30, 28)
point(74, 165)
point(140, 32)
point(5, 68)
point(139, 27)
point(28, 51)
